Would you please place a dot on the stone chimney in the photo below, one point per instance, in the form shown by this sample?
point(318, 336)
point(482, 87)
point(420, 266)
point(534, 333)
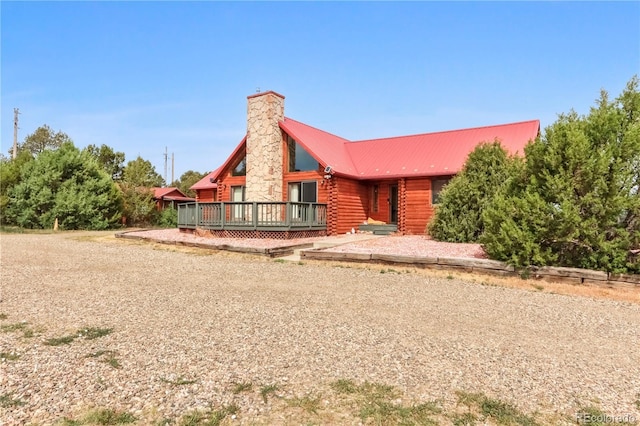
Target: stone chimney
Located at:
point(264, 147)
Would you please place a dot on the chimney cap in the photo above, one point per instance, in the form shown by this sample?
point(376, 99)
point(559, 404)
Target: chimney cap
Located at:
point(255, 95)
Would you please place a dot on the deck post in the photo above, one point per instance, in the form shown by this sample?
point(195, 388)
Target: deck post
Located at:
point(254, 215)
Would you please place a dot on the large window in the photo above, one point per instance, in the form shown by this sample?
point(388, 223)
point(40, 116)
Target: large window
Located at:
point(436, 187)
point(241, 168)
point(299, 159)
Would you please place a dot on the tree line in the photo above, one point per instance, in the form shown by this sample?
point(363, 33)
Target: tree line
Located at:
point(572, 200)
point(90, 188)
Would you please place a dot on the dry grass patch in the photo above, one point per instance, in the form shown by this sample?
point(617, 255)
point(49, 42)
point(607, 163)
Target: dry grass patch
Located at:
point(631, 295)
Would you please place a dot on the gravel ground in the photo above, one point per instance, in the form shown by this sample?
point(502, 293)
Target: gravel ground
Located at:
point(220, 318)
point(412, 245)
point(177, 236)
point(406, 245)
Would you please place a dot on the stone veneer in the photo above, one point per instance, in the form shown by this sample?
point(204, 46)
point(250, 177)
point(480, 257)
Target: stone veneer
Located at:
point(264, 147)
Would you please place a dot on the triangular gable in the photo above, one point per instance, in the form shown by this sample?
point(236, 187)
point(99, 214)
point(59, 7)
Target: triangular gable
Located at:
point(328, 149)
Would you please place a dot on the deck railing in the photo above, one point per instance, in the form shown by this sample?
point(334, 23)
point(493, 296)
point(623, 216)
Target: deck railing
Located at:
point(247, 215)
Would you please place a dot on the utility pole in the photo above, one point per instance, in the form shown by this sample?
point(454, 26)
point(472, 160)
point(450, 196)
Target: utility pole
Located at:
point(172, 164)
point(165, 165)
point(16, 111)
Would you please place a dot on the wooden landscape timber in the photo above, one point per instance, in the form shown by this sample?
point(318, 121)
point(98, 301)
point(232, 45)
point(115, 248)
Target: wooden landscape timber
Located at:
point(485, 266)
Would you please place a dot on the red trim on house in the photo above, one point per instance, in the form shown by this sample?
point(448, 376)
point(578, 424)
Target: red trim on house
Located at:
point(207, 182)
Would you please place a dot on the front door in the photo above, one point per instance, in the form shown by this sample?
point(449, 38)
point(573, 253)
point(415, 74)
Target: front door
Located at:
point(393, 204)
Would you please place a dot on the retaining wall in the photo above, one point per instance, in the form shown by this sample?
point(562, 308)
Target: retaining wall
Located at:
point(484, 266)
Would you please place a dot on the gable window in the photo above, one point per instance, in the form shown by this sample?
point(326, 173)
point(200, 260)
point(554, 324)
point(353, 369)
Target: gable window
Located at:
point(299, 159)
point(436, 187)
point(241, 168)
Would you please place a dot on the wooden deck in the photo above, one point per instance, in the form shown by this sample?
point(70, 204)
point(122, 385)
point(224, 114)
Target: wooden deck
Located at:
point(247, 216)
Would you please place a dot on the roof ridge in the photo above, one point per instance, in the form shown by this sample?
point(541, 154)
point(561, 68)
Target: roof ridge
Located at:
point(318, 129)
point(447, 131)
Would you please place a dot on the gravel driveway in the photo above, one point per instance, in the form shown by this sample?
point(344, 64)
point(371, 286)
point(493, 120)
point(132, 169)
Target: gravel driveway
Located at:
point(188, 326)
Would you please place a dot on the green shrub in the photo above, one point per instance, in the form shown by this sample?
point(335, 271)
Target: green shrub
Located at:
point(575, 201)
point(458, 216)
point(168, 218)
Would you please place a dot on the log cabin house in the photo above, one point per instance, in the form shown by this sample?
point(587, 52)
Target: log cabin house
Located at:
point(286, 179)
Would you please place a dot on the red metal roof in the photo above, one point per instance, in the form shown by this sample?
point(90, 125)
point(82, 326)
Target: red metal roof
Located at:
point(207, 182)
point(433, 154)
point(163, 192)
point(426, 154)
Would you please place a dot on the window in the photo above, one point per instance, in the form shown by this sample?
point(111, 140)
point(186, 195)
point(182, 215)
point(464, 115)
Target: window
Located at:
point(241, 168)
point(374, 198)
point(303, 192)
point(237, 195)
point(299, 159)
point(436, 187)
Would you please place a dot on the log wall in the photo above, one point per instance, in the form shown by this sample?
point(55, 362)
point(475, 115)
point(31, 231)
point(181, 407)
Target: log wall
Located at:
point(352, 200)
point(417, 206)
point(205, 195)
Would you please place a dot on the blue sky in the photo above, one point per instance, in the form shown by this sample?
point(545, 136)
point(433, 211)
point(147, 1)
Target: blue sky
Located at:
point(142, 76)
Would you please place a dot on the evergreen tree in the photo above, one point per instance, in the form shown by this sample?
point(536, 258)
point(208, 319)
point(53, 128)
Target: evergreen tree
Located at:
point(575, 202)
point(10, 172)
point(66, 184)
point(458, 216)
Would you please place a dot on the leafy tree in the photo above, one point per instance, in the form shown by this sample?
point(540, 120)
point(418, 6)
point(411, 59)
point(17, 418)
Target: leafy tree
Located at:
point(138, 177)
point(187, 180)
point(575, 200)
point(458, 216)
point(43, 139)
point(110, 160)
point(138, 205)
point(66, 184)
point(141, 173)
point(10, 172)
